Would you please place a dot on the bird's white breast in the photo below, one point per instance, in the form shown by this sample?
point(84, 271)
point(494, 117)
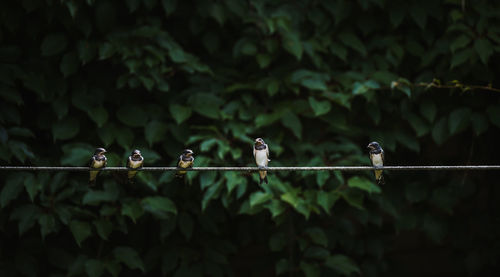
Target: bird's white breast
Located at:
point(184, 164)
point(261, 157)
point(377, 160)
point(98, 164)
point(135, 164)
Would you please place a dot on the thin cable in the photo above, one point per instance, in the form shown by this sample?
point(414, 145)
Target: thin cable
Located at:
point(282, 168)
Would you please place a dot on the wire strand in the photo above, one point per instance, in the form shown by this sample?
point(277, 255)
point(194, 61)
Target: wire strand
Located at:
point(282, 168)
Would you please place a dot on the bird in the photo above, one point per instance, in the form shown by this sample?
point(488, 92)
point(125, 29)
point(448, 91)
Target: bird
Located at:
point(261, 155)
point(135, 160)
point(377, 159)
point(97, 161)
point(186, 160)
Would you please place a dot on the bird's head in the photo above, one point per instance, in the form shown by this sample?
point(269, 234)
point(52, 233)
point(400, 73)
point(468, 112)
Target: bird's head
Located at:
point(259, 141)
point(187, 152)
point(100, 151)
point(373, 145)
point(136, 153)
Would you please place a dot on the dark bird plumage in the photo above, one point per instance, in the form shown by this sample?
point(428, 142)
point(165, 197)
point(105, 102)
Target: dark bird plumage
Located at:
point(261, 156)
point(377, 159)
point(98, 161)
point(134, 161)
point(186, 160)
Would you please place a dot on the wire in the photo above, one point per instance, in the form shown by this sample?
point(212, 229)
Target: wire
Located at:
point(293, 168)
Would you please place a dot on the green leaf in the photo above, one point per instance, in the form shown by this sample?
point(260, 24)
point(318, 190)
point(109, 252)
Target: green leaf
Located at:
point(322, 177)
point(461, 57)
point(169, 6)
point(81, 231)
point(342, 264)
point(99, 115)
point(440, 131)
point(129, 257)
point(460, 42)
point(53, 44)
point(32, 186)
point(27, 216)
point(354, 198)
point(94, 268)
point(133, 116)
point(282, 266)
point(419, 14)
point(47, 224)
point(94, 197)
point(292, 122)
point(317, 236)
point(206, 104)
point(263, 60)
point(104, 227)
point(319, 107)
point(458, 120)
point(327, 199)
point(483, 48)
point(351, 40)
point(76, 154)
point(428, 110)
point(132, 209)
point(12, 188)
point(479, 123)
point(159, 205)
point(69, 64)
point(179, 113)
point(259, 197)
point(310, 270)
point(65, 129)
point(292, 44)
point(363, 184)
point(421, 128)
point(494, 114)
point(155, 131)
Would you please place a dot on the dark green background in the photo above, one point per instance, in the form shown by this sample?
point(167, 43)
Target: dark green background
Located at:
point(317, 80)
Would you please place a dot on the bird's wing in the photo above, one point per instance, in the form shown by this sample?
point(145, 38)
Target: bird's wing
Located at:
point(91, 162)
point(267, 152)
point(254, 152)
point(179, 161)
point(128, 163)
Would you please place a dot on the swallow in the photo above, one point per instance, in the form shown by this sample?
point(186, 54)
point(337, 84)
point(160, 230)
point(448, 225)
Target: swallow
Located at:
point(97, 161)
point(186, 160)
point(135, 160)
point(261, 155)
point(377, 159)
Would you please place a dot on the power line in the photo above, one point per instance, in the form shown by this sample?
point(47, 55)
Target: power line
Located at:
point(282, 168)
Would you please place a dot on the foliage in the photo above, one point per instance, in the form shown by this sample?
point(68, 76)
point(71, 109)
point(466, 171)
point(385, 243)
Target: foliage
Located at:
point(317, 80)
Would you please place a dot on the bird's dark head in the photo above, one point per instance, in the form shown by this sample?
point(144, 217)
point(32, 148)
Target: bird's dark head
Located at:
point(100, 151)
point(373, 145)
point(187, 152)
point(136, 153)
point(259, 141)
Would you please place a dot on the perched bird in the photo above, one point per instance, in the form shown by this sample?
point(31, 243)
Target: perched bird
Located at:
point(186, 160)
point(97, 161)
point(377, 159)
point(261, 155)
point(135, 160)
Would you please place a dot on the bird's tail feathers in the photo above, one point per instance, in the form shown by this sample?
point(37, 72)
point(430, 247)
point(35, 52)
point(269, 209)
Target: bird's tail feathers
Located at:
point(380, 180)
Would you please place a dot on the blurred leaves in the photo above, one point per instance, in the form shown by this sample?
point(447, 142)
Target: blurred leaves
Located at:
point(316, 79)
